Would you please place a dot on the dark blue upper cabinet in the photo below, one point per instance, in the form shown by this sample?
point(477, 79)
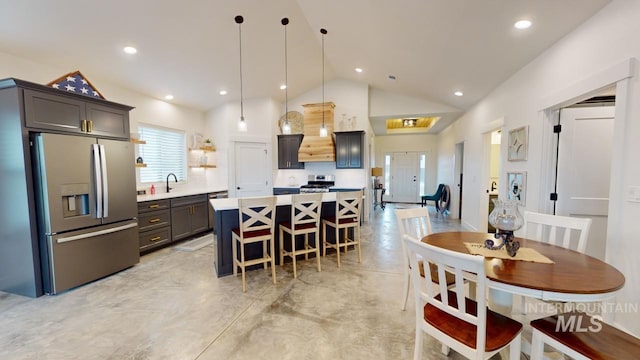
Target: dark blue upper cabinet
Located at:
point(349, 154)
point(288, 146)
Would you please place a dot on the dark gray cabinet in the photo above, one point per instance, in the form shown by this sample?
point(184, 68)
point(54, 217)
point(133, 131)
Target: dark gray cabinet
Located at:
point(154, 224)
point(72, 115)
point(349, 154)
point(286, 191)
point(189, 215)
point(288, 146)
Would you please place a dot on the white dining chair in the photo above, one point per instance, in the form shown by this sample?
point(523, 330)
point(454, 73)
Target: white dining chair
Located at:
point(565, 231)
point(458, 322)
point(413, 223)
point(582, 337)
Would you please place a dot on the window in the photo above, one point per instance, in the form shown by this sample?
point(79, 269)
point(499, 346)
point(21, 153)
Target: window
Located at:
point(164, 153)
point(387, 173)
point(423, 172)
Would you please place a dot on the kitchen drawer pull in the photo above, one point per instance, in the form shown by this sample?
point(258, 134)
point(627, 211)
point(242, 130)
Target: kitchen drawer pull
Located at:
point(153, 221)
point(154, 206)
point(155, 238)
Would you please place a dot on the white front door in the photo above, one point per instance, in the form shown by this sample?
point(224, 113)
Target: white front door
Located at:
point(252, 165)
point(584, 164)
point(404, 180)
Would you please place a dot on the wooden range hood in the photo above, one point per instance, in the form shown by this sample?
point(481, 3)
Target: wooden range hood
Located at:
point(314, 147)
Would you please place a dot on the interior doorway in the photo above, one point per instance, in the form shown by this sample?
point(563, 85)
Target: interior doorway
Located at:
point(459, 177)
point(252, 174)
point(584, 166)
point(491, 168)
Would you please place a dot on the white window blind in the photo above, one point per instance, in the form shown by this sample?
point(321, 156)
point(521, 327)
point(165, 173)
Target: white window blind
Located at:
point(164, 153)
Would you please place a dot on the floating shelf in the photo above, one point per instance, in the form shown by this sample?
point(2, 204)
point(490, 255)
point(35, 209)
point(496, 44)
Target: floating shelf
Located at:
point(202, 166)
point(141, 165)
point(204, 148)
point(138, 141)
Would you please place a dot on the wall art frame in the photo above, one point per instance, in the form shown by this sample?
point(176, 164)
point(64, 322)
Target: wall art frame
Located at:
point(518, 146)
point(517, 186)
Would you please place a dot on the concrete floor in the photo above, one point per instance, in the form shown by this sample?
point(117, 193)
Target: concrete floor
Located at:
point(172, 306)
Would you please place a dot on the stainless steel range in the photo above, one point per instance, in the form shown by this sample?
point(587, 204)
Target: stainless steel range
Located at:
point(318, 183)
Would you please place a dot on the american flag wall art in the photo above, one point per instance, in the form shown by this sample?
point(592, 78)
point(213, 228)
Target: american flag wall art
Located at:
point(75, 82)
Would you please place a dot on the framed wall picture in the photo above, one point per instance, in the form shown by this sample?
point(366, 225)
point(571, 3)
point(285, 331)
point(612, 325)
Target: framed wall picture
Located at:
point(517, 186)
point(518, 144)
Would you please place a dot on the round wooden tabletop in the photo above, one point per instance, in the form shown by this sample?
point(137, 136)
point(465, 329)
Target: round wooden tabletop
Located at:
point(571, 273)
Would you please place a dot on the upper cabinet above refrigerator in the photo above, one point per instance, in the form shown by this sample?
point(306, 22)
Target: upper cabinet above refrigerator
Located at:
point(75, 115)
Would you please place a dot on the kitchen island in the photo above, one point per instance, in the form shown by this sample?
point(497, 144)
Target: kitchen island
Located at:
point(225, 219)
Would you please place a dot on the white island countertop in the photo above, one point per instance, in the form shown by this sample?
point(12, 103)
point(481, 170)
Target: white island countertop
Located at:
point(232, 203)
point(178, 193)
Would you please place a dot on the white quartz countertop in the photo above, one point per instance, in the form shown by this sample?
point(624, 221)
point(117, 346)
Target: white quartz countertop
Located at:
point(178, 193)
point(232, 203)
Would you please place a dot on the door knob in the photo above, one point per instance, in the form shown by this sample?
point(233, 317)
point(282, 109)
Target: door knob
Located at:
point(238, 188)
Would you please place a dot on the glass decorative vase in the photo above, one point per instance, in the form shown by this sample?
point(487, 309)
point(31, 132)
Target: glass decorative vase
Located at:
point(506, 218)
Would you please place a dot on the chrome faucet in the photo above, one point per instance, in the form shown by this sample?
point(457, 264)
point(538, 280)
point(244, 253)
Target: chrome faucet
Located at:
point(174, 176)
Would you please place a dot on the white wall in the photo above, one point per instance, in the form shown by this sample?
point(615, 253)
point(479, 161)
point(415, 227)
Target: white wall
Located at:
point(607, 39)
point(147, 109)
point(221, 125)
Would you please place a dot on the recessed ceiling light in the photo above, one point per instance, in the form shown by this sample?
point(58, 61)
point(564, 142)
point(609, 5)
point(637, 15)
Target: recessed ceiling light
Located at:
point(223, 92)
point(168, 97)
point(522, 24)
point(130, 50)
point(358, 70)
point(458, 93)
point(283, 86)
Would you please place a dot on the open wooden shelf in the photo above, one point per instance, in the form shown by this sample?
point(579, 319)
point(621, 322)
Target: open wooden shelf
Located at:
point(141, 165)
point(138, 141)
point(204, 148)
point(202, 166)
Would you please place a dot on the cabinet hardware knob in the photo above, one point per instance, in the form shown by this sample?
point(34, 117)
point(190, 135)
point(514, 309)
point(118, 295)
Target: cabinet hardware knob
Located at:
point(84, 125)
point(90, 125)
point(155, 238)
point(152, 221)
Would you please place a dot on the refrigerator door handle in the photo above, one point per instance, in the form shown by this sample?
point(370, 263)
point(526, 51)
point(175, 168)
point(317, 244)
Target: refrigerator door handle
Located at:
point(96, 233)
point(98, 179)
point(105, 184)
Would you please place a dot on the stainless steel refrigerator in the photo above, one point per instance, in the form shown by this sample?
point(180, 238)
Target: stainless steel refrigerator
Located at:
point(86, 195)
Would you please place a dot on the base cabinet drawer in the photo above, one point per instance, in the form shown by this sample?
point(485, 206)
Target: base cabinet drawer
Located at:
point(154, 220)
point(154, 238)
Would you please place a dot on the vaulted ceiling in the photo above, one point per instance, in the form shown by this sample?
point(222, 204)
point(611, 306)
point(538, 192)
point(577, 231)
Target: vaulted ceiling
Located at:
point(190, 48)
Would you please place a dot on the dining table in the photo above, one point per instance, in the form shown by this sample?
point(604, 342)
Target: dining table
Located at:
point(572, 277)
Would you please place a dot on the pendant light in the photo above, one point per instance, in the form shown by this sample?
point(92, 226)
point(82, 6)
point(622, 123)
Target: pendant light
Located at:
point(286, 128)
point(242, 125)
point(323, 129)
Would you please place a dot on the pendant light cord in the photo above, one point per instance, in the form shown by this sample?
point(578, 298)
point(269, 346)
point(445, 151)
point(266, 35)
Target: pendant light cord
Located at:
point(239, 20)
point(323, 32)
point(285, 21)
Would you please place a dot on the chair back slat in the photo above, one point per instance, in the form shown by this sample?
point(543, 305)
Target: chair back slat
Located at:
point(459, 264)
point(305, 209)
point(565, 231)
point(414, 223)
point(256, 213)
point(349, 205)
